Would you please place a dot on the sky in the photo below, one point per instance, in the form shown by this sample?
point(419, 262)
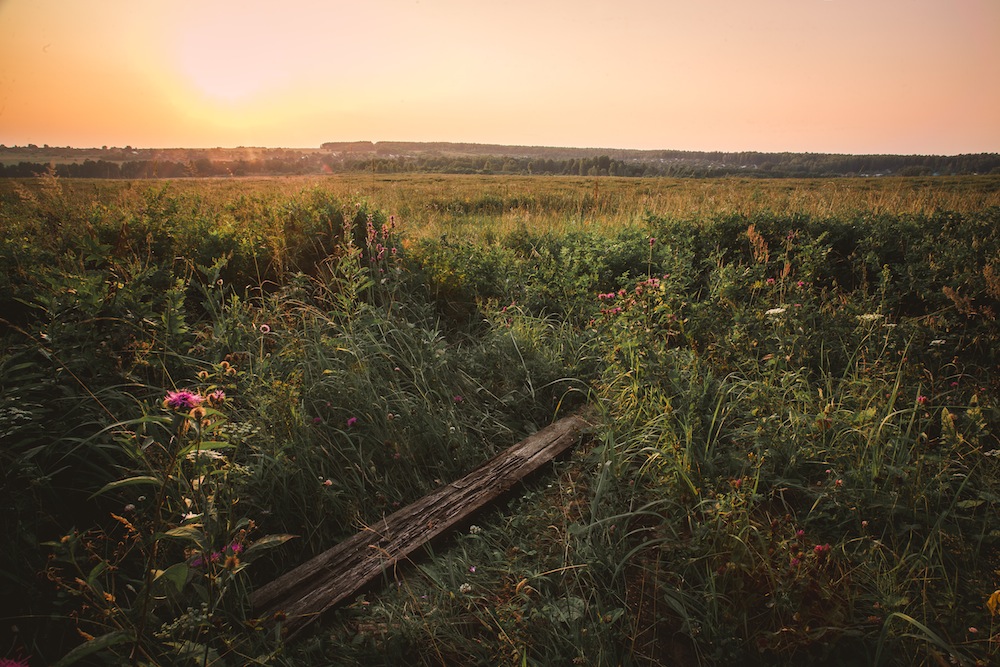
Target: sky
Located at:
point(822, 76)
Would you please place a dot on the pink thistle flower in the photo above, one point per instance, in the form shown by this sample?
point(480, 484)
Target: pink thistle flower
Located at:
point(181, 400)
point(235, 548)
point(217, 398)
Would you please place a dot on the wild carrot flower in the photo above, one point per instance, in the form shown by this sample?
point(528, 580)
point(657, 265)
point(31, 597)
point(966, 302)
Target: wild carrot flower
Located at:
point(181, 400)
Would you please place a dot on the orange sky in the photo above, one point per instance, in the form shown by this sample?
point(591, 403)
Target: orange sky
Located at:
point(843, 76)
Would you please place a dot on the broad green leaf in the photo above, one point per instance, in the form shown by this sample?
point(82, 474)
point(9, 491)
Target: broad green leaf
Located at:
point(969, 504)
point(191, 533)
point(267, 542)
point(131, 481)
point(95, 645)
point(176, 574)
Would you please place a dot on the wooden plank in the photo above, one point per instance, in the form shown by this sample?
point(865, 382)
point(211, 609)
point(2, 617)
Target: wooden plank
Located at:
point(305, 592)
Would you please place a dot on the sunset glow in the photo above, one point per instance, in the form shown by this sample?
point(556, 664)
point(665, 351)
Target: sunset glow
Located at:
point(845, 76)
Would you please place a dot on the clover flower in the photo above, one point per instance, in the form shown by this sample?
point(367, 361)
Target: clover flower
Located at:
point(182, 400)
point(217, 398)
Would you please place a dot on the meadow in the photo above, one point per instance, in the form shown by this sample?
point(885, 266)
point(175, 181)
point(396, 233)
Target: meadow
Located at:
point(791, 385)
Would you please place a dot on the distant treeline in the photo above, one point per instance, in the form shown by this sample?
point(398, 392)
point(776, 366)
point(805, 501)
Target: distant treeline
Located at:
point(400, 157)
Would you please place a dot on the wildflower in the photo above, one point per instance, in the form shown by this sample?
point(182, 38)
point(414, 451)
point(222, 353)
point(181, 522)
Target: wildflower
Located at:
point(236, 548)
point(217, 398)
point(774, 312)
point(328, 482)
point(465, 588)
point(869, 317)
point(181, 400)
point(921, 400)
point(265, 329)
point(795, 562)
point(474, 529)
point(770, 281)
point(993, 603)
point(351, 421)
point(652, 240)
point(457, 398)
point(800, 284)
point(472, 569)
point(317, 420)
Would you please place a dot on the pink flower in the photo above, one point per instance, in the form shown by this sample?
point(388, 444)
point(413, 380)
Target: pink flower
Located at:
point(351, 421)
point(235, 548)
point(457, 398)
point(800, 284)
point(652, 240)
point(265, 329)
point(770, 281)
point(317, 420)
point(181, 400)
point(921, 400)
point(217, 398)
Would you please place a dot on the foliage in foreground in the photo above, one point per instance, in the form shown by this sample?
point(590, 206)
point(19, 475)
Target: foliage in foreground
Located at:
point(794, 453)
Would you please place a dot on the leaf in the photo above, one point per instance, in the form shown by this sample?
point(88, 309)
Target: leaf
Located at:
point(267, 542)
point(131, 481)
point(94, 645)
point(969, 504)
point(176, 574)
point(191, 533)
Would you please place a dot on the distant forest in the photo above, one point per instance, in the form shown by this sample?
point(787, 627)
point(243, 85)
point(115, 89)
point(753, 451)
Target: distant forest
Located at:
point(457, 158)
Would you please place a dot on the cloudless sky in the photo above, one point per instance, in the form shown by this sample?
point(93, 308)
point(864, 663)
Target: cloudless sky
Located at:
point(841, 76)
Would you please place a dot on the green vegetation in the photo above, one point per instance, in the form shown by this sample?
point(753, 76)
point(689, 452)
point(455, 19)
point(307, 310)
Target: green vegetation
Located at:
point(792, 385)
point(401, 157)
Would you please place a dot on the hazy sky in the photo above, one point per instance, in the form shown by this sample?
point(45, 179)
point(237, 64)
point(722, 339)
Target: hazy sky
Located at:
point(844, 76)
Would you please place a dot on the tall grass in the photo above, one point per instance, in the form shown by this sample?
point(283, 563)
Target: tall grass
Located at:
point(792, 387)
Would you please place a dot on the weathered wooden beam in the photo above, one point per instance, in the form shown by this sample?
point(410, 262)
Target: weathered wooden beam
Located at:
point(304, 593)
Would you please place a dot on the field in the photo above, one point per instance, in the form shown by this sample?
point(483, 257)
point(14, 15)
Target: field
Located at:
point(791, 384)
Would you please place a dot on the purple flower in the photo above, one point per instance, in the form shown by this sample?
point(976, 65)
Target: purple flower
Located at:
point(181, 400)
point(235, 548)
point(317, 420)
point(217, 398)
point(351, 421)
